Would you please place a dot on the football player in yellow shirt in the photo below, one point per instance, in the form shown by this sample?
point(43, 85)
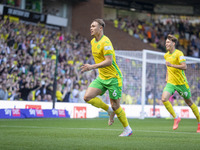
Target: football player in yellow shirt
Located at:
point(110, 77)
point(176, 80)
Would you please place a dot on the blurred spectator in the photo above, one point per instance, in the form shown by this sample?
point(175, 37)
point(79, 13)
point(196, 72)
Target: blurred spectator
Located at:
point(82, 93)
point(25, 90)
point(195, 52)
point(60, 94)
point(75, 94)
point(3, 92)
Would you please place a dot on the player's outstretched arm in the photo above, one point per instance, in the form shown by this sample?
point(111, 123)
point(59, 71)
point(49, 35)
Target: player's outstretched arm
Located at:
point(182, 66)
point(105, 63)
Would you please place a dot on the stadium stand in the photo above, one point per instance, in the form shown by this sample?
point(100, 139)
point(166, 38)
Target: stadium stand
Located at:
point(28, 53)
point(27, 71)
point(27, 62)
point(154, 32)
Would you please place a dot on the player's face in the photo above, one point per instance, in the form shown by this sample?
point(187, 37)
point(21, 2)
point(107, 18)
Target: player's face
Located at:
point(169, 44)
point(95, 28)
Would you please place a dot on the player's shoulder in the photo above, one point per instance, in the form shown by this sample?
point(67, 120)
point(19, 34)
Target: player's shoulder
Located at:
point(106, 39)
point(92, 41)
point(180, 55)
point(166, 54)
point(178, 52)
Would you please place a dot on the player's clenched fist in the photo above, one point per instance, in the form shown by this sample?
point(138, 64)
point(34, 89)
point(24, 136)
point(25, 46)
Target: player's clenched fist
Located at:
point(86, 67)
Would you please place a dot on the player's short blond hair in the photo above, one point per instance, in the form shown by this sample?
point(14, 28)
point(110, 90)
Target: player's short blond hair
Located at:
point(172, 38)
point(100, 22)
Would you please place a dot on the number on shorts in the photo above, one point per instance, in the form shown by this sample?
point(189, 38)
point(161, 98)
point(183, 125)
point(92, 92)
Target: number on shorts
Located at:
point(114, 93)
point(186, 93)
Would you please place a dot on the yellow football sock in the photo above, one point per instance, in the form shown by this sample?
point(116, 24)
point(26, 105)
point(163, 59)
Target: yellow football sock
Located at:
point(122, 116)
point(97, 102)
point(195, 111)
point(170, 109)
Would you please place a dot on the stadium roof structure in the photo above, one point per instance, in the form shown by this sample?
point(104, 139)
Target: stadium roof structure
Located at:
point(188, 7)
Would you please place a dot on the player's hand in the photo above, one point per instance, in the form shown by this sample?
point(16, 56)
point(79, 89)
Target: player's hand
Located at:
point(86, 67)
point(168, 64)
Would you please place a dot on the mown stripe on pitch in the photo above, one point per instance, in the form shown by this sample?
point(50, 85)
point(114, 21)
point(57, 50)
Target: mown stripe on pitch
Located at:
point(97, 129)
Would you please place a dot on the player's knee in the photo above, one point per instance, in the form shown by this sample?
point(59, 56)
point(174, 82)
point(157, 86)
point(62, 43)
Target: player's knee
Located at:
point(164, 99)
point(86, 98)
point(189, 102)
point(115, 106)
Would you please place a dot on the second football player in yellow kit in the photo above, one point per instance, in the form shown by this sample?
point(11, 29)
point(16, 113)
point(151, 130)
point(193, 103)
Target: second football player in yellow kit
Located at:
point(177, 81)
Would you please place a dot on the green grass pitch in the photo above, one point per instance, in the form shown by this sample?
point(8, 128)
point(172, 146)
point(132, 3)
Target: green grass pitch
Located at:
point(95, 134)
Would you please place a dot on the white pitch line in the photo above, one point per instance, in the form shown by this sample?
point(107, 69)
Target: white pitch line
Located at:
point(97, 129)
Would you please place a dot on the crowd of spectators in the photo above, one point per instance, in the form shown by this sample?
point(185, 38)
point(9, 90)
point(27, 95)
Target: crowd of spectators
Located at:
point(28, 58)
point(155, 32)
point(27, 68)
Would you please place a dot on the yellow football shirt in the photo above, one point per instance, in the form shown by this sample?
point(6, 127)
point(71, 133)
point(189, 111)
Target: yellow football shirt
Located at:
point(175, 76)
point(103, 48)
point(59, 95)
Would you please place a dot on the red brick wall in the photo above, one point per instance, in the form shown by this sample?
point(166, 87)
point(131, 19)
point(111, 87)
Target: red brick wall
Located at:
point(122, 41)
point(84, 13)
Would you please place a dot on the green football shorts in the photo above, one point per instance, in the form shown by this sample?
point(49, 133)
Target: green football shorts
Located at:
point(181, 89)
point(115, 91)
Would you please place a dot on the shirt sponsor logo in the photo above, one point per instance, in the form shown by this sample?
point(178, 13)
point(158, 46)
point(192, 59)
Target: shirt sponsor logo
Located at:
point(95, 53)
point(107, 47)
point(80, 112)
